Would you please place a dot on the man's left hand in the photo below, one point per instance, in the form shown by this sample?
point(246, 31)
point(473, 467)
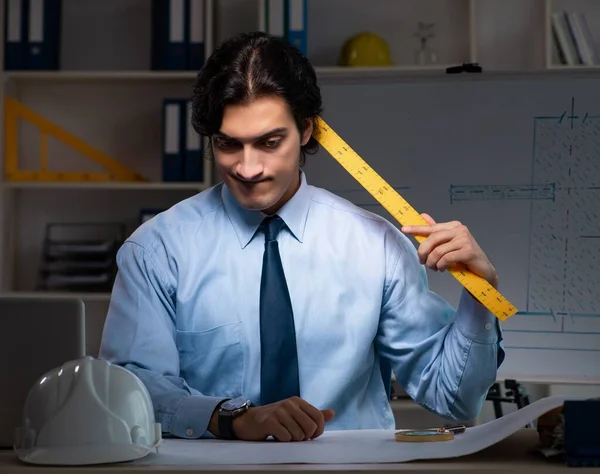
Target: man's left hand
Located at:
point(447, 243)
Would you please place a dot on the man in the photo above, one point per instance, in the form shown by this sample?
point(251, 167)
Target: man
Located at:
point(265, 306)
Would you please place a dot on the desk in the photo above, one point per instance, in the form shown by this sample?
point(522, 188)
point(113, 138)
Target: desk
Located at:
point(513, 454)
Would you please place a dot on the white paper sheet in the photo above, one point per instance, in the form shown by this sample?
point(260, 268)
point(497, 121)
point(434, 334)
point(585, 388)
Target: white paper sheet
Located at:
point(355, 446)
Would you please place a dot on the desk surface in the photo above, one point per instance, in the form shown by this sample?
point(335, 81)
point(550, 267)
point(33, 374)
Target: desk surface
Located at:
point(514, 454)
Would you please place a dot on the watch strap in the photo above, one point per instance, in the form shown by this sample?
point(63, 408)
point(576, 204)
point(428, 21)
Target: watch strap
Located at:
point(226, 426)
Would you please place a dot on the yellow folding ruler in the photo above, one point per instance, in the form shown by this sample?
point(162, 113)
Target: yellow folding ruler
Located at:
point(403, 212)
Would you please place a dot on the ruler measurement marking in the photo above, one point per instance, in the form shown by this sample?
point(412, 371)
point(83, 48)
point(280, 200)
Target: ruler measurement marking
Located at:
point(404, 213)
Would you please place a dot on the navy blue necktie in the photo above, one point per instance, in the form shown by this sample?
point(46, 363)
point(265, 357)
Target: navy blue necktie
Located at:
point(279, 358)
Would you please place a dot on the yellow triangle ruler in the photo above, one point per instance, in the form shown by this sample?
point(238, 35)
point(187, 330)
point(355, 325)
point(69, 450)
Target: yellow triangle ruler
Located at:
point(404, 213)
point(14, 111)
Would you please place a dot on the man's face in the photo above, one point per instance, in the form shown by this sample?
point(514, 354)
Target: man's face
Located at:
point(257, 152)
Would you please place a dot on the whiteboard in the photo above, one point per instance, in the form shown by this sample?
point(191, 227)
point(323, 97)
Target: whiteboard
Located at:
point(517, 159)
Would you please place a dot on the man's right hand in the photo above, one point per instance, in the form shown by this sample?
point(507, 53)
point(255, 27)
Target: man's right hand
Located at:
point(292, 419)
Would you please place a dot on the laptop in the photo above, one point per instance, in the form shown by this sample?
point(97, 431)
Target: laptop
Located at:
point(37, 334)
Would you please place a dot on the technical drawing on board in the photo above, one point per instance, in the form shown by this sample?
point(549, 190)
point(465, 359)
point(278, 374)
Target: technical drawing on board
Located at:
point(563, 284)
point(517, 159)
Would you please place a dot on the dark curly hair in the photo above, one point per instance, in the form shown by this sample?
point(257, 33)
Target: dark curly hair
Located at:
point(251, 65)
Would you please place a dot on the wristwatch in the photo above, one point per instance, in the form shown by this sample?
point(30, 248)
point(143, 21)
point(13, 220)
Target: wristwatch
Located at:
point(228, 411)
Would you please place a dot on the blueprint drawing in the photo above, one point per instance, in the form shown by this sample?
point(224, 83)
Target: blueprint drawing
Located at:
point(563, 282)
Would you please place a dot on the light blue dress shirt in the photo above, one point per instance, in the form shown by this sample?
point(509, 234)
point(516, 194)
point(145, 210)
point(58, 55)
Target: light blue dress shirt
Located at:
point(184, 314)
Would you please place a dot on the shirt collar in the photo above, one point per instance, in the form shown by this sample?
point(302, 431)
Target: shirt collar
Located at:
point(245, 222)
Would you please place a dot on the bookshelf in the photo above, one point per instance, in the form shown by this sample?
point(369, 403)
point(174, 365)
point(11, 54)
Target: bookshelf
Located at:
point(106, 94)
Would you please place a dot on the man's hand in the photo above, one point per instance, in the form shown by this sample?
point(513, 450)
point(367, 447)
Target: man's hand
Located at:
point(448, 243)
point(292, 419)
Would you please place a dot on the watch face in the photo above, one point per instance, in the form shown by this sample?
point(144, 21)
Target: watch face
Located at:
point(234, 404)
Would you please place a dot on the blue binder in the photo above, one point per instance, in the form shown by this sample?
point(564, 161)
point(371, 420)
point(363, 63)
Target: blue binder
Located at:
point(172, 140)
point(43, 34)
point(193, 164)
point(295, 24)
point(15, 33)
point(169, 35)
point(196, 19)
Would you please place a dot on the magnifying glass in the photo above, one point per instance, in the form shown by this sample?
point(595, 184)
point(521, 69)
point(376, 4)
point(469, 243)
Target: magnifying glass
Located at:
point(428, 435)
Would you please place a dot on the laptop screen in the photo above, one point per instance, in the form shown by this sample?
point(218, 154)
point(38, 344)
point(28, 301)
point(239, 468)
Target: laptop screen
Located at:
point(37, 334)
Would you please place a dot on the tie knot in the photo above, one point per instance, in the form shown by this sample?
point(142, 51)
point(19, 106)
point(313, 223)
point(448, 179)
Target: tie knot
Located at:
point(271, 227)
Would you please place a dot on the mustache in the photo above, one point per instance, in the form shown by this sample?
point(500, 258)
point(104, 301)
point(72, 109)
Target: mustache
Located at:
point(250, 180)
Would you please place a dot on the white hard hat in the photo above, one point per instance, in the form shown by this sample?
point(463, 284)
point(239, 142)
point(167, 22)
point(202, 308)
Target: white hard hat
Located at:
point(88, 411)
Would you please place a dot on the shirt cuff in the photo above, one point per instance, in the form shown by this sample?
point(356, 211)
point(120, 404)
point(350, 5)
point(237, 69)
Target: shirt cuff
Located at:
point(475, 321)
point(193, 416)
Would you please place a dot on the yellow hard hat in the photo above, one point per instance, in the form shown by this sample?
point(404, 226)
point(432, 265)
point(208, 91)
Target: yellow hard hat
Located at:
point(365, 49)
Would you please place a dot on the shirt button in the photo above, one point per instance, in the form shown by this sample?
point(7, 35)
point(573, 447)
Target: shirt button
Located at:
point(488, 326)
point(189, 432)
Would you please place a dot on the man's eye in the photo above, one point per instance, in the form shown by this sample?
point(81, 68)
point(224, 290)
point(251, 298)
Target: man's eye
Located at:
point(272, 143)
point(225, 145)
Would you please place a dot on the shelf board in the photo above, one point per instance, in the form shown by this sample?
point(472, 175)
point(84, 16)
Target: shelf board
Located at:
point(100, 75)
point(346, 71)
point(576, 67)
point(325, 72)
point(58, 295)
point(134, 186)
